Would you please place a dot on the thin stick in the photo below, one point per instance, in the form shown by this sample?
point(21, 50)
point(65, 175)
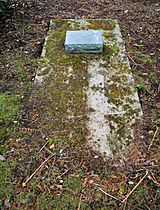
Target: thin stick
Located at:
point(43, 147)
point(109, 194)
point(48, 151)
point(125, 204)
point(31, 176)
point(153, 138)
point(136, 64)
point(62, 174)
point(99, 185)
point(79, 203)
point(80, 198)
point(132, 59)
point(135, 187)
point(152, 177)
point(147, 207)
point(102, 186)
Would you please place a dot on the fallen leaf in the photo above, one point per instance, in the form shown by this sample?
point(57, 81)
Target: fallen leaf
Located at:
point(52, 146)
point(24, 184)
point(151, 132)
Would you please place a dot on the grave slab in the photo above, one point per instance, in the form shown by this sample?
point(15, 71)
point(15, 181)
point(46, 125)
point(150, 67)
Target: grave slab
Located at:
point(91, 96)
point(84, 41)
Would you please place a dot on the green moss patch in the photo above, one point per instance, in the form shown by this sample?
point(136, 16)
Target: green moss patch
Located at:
point(9, 107)
point(5, 182)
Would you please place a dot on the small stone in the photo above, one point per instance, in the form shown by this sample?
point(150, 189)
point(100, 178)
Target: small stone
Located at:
point(2, 158)
point(7, 203)
point(61, 151)
point(61, 181)
point(84, 41)
point(43, 136)
point(52, 146)
point(131, 182)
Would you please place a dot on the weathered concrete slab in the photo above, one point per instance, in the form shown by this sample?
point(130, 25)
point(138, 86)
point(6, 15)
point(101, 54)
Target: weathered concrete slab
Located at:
point(84, 41)
point(92, 95)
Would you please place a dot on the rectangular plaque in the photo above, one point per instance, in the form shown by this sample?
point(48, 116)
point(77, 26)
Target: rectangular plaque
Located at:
point(84, 41)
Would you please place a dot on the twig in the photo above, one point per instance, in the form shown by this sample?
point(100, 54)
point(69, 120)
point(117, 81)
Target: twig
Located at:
point(135, 187)
point(48, 151)
point(32, 175)
point(152, 177)
point(135, 64)
point(125, 204)
point(64, 132)
point(62, 174)
point(79, 203)
point(43, 147)
point(102, 186)
point(147, 207)
point(132, 59)
point(109, 194)
point(80, 198)
point(153, 138)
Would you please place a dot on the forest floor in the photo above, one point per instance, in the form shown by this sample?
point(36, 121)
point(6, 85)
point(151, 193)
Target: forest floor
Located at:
point(80, 178)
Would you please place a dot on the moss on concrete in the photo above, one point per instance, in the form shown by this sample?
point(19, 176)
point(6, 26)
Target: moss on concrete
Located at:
point(61, 97)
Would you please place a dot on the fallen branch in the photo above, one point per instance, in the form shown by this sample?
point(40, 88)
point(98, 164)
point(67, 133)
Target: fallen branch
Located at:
point(32, 175)
point(153, 138)
point(135, 187)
